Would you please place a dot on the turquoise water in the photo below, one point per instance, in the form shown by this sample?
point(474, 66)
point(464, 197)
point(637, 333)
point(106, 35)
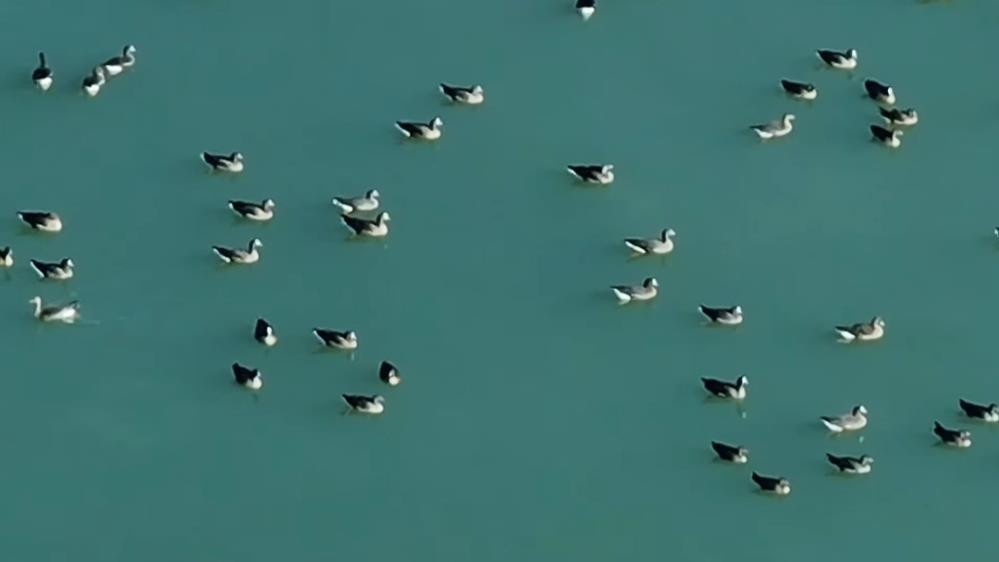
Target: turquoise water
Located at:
point(537, 420)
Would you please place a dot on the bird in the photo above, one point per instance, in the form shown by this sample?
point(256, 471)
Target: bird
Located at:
point(263, 332)
point(775, 129)
point(42, 76)
point(601, 174)
point(389, 374)
point(724, 389)
point(586, 8)
point(6, 257)
point(365, 404)
point(907, 117)
point(337, 340)
point(93, 82)
point(238, 255)
point(58, 271)
point(648, 290)
point(374, 228)
point(367, 202)
point(855, 420)
point(953, 437)
point(851, 465)
point(888, 137)
point(731, 453)
point(799, 90)
point(468, 95)
point(777, 485)
point(232, 162)
point(842, 60)
point(250, 378)
point(263, 211)
point(730, 316)
point(881, 93)
point(66, 313)
point(645, 246)
point(988, 413)
point(425, 131)
point(41, 220)
point(863, 331)
point(115, 65)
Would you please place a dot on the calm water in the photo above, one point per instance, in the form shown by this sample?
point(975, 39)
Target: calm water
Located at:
point(538, 421)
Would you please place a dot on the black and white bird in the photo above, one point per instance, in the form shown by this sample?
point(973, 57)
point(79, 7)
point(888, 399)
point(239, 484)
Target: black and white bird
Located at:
point(731, 453)
point(843, 60)
point(953, 437)
point(645, 246)
point(42, 76)
point(863, 331)
point(263, 332)
point(367, 202)
point(600, 174)
point(775, 129)
point(881, 93)
point(114, 65)
point(250, 378)
point(648, 290)
point(728, 316)
point(468, 95)
point(851, 465)
point(93, 82)
point(337, 340)
point(906, 117)
point(57, 271)
point(586, 8)
point(66, 313)
point(263, 211)
point(988, 413)
point(425, 131)
point(374, 228)
point(724, 389)
point(888, 137)
point(239, 255)
point(41, 220)
point(799, 90)
point(389, 374)
point(854, 420)
point(773, 484)
point(232, 162)
point(365, 404)
point(6, 257)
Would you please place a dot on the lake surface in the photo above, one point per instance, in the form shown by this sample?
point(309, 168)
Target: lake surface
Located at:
point(537, 420)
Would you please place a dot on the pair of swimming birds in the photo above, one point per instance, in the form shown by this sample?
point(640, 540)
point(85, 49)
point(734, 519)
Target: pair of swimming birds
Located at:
point(252, 378)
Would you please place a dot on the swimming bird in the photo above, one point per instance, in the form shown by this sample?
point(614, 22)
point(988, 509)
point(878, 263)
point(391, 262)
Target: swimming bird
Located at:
point(855, 420)
point(93, 82)
point(799, 90)
point(724, 389)
point(893, 116)
point(375, 228)
point(881, 93)
point(367, 202)
point(888, 137)
point(389, 374)
point(58, 271)
point(365, 404)
point(863, 331)
point(6, 257)
point(232, 162)
point(730, 316)
point(601, 174)
point(425, 131)
point(586, 8)
point(263, 211)
point(851, 465)
point(337, 340)
point(731, 453)
point(42, 76)
point(644, 246)
point(988, 413)
point(648, 290)
point(842, 60)
point(953, 437)
point(66, 313)
point(468, 95)
point(775, 129)
point(777, 485)
point(250, 378)
point(238, 255)
point(115, 65)
point(41, 220)
point(263, 332)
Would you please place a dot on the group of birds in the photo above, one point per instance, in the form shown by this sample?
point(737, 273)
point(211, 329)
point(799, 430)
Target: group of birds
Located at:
point(44, 77)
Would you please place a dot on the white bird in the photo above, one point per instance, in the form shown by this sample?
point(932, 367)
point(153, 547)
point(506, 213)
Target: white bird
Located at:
point(239, 255)
point(468, 95)
point(42, 76)
point(58, 271)
point(232, 162)
point(92, 84)
point(888, 137)
point(41, 220)
point(586, 8)
point(263, 332)
point(842, 60)
point(114, 65)
point(851, 465)
point(775, 129)
point(389, 374)
point(365, 404)
point(374, 228)
point(67, 313)
point(338, 340)
point(863, 331)
point(263, 211)
point(6, 257)
point(250, 378)
point(648, 290)
point(425, 131)
point(367, 202)
point(601, 174)
point(645, 246)
point(855, 420)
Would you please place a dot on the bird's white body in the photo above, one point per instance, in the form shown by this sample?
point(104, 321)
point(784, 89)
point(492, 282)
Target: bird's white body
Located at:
point(775, 129)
